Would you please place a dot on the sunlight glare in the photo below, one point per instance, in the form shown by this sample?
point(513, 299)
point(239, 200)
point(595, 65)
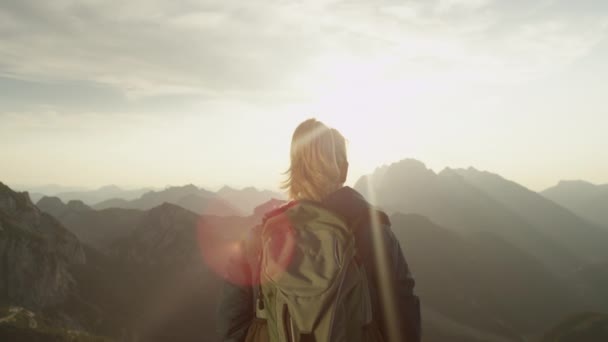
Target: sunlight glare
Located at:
point(387, 287)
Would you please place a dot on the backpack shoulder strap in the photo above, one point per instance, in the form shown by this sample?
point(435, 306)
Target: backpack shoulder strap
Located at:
point(278, 211)
point(254, 251)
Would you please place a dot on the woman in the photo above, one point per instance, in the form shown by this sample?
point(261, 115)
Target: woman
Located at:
point(316, 177)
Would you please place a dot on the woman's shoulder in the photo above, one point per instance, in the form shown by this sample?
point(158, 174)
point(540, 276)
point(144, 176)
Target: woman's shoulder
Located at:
point(277, 210)
point(252, 238)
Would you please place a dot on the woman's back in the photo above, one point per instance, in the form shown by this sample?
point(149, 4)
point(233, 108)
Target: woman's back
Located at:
point(324, 267)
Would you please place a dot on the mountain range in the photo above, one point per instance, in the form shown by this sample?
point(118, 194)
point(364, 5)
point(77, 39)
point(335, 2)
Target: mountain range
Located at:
point(536, 247)
point(472, 201)
point(96, 228)
point(226, 202)
point(88, 196)
point(587, 200)
point(493, 261)
point(34, 245)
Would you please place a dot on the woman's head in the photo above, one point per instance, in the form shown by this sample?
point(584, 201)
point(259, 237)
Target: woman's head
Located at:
point(318, 161)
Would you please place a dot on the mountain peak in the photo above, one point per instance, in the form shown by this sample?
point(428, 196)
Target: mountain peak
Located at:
point(78, 205)
point(54, 200)
point(40, 250)
point(584, 198)
point(186, 188)
point(166, 216)
point(225, 189)
point(572, 186)
point(447, 170)
point(414, 169)
point(575, 182)
point(411, 164)
point(166, 206)
point(11, 201)
point(110, 188)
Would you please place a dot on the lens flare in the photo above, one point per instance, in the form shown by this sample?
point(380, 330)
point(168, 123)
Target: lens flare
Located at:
point(230, 247)
point(220, 242)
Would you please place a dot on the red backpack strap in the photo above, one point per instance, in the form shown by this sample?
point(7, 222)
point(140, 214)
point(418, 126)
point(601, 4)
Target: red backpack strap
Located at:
point(255, 240)
point(278, 211)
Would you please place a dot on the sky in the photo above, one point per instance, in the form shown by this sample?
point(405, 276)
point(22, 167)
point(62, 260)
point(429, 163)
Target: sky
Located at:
point(169, 92)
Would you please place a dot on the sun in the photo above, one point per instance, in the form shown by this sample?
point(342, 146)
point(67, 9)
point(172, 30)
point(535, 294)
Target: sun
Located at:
point(345, 91)
point(376, 108)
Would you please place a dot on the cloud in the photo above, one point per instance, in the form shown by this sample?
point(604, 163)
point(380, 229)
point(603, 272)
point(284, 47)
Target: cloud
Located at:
point(263, 49)
point(147, 48)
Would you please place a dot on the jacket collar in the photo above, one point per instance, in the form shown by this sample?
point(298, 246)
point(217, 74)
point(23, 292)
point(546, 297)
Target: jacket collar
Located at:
point(352, 206)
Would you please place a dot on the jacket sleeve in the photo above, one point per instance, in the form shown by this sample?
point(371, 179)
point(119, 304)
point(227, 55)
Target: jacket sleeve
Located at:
point(408, 302)
point(235, 307)
point(397, 306)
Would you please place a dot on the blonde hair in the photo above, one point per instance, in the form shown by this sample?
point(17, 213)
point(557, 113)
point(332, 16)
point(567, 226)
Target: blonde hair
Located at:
point(318, 161)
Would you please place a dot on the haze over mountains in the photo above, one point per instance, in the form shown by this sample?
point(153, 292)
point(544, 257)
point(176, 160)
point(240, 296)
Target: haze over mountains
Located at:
point(225, 202)
point(139, 275)
point(87, 196)
point(587, 200)
point(97, 228)
point(485, 224)
point(493, 260)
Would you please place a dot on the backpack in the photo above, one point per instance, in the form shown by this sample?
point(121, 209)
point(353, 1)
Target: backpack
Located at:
point(311, 285)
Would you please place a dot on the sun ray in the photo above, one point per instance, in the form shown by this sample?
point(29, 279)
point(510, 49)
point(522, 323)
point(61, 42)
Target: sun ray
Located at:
point(387, 288)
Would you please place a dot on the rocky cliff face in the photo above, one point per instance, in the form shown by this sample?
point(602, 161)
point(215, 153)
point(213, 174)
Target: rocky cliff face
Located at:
point(35, 253)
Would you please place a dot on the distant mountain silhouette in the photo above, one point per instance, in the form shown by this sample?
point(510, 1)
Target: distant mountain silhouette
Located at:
point(92, 197)
point(149, 275)
point(162, 282)
point(248, 198)
point(226, 202)
point(469, 202)
point(588, 200)
point(478, 286)
point(89, 197)
point(189, 196)
point(52, 205)
point(112, 203)
point(562, 226)
point(99, 229)
point(150, 284)
point(49, 189)
point(208, 205)
point(171, 284)
point(56, 207)
point(488, 265)
point(37, 192)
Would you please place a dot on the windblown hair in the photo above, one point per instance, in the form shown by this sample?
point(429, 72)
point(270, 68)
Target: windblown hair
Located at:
point(318, 161)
